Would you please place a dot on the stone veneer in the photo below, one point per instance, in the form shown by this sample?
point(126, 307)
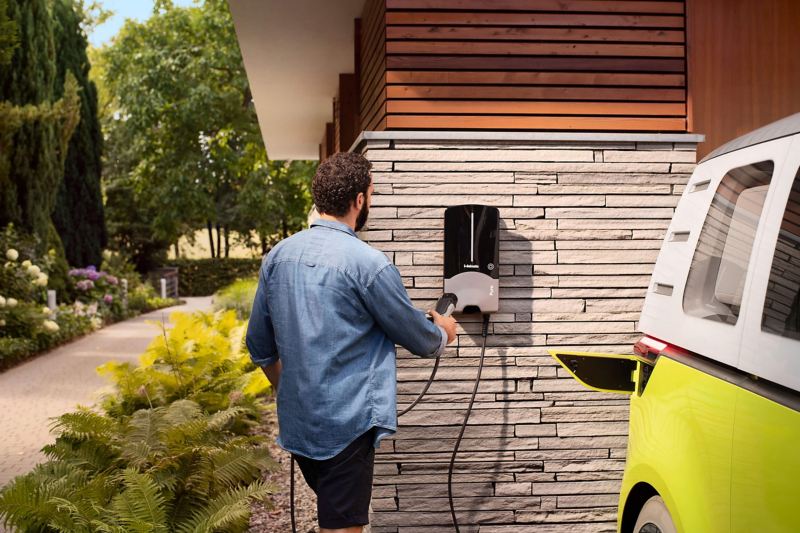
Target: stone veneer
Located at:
point(582, 218)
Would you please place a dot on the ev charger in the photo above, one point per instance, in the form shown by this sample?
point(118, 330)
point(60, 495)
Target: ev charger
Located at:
point(471, 257)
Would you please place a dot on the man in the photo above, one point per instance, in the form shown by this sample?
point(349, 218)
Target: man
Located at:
point(327, 314)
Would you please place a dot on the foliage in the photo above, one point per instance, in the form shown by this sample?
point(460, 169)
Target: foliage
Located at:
point(162, 469)
point(284, 210)
point(35, 126)
point(238, 297)
point(203, 277)
point(9, 38)
point(78, 211)
point(170, 449)
point(27, 332)
point(202, 358)
point(184, 151)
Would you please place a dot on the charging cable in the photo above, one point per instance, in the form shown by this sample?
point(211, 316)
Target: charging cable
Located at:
point(484, 334)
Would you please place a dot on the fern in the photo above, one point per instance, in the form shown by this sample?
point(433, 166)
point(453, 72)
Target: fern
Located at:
point(229, 511)
point(140, 506)
point(169, 451)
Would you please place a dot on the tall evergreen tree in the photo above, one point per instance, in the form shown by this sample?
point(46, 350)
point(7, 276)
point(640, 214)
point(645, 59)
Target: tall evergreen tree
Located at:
point(78, 214)
point(35, 128)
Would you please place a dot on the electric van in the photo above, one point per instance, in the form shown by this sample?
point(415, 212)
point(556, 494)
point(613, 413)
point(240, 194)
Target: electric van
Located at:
point(714, 432)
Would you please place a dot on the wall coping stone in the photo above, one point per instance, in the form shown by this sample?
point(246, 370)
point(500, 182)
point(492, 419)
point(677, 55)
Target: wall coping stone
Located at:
point(524, 136)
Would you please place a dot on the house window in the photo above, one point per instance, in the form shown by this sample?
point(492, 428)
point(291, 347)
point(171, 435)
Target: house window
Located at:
point(781, 314)
point(716, 278)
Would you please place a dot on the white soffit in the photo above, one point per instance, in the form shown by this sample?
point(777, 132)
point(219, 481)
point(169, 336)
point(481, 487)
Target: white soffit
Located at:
point(294, 51)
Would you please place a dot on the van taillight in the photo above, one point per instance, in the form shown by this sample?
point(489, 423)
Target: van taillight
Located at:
point(649, 347)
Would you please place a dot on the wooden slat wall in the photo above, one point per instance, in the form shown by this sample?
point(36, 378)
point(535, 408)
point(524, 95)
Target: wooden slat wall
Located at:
point(372, 80)
point(593, 65)
point(744, 61)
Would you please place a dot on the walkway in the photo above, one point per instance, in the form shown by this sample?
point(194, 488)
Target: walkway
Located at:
point(52, 384)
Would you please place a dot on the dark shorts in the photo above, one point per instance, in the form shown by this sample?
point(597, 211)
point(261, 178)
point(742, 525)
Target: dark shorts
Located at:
point(343, 483)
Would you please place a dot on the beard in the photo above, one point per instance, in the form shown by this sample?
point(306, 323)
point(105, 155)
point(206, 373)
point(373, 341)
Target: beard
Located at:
point(362, 217)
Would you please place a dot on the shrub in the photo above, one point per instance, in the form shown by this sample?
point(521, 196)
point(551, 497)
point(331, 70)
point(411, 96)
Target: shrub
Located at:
point(170, 450)
point(202, 358)
point(238, 296)
point(203, 277)
point(171, 468)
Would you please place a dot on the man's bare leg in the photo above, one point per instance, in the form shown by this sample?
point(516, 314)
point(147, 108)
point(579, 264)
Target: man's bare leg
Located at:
point(354, 529)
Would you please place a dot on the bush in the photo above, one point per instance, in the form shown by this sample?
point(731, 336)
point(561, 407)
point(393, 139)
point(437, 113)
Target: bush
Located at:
point(170, 450)
point(203, 277)
point(201, 358)
point(238, 296)
point(172, 468)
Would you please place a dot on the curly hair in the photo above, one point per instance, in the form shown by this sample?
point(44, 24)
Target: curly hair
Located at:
point(338, 181)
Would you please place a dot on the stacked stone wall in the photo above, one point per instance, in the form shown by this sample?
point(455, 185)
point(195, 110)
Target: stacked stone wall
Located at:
point(581, 226)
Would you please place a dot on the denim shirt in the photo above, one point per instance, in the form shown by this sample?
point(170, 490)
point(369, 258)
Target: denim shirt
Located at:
point(332, 308)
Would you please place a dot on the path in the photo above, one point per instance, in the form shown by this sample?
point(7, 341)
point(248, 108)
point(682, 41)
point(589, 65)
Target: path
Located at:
point(52, 384)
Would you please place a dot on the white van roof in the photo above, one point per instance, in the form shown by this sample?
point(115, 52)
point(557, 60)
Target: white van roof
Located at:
point(781, 128)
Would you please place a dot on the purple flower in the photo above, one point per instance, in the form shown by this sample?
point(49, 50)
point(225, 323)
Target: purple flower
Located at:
point(108, 299)
point(112, 279)
point(85, 285)
point(91, 268)
point(93, 275)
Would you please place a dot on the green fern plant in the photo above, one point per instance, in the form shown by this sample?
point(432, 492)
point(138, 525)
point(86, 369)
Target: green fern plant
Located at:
point(170, 451)
point(162, 469)
point(202, 358)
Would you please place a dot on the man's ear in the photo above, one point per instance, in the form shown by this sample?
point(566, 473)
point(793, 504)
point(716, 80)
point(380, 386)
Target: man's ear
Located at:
point(360, 199)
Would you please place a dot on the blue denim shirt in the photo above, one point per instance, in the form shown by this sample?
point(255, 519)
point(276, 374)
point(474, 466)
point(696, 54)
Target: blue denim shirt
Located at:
point(331, 308)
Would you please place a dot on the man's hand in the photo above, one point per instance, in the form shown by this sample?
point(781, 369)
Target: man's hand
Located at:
point(446, 322)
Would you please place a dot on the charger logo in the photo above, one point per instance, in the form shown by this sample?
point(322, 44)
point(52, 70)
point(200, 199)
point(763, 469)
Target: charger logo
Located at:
point(491, 290)
point(470, 265)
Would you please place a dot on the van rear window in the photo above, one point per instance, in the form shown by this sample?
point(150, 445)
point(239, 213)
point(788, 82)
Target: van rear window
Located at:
point(716, 278)
point(782, 306)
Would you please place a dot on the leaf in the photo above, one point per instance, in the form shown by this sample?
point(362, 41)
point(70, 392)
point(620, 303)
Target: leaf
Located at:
point(141, 506)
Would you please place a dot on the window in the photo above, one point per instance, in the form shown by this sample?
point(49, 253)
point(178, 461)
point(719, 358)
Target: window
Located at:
point(715, 284)
point(782, 306)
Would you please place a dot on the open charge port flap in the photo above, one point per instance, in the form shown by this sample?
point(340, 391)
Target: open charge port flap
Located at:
point(606, 372)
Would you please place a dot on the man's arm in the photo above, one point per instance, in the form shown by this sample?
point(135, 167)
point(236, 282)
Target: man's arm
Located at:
point(260, 337)
point(273, 373)
point(389, 304)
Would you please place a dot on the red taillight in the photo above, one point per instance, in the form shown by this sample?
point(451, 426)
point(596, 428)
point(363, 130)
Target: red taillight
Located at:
point(649, 347)
point(652, 348)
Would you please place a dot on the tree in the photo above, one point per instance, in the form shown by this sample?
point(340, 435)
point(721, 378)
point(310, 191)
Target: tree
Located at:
point(78, 214)
point(181, 132)
point(35, 127)
point(8, 35)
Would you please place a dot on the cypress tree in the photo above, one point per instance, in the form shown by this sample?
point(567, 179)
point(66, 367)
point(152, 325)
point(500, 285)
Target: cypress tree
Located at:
point(34, 143)
point(78, 214)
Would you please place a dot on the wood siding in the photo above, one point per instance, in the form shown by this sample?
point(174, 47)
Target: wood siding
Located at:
point(372, 79)
point(591, 65)
point(744, 60)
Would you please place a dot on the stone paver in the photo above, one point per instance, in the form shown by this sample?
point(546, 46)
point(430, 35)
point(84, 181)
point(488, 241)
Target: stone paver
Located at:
point(52, 384)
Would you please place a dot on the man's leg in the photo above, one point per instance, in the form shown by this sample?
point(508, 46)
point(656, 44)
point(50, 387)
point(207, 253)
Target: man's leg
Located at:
point(343, 485)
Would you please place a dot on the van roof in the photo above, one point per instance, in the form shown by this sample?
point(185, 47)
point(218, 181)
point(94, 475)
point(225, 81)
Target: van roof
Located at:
point(781, 128)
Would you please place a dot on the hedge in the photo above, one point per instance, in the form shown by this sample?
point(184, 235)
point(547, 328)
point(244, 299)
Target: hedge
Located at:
point(203, 277)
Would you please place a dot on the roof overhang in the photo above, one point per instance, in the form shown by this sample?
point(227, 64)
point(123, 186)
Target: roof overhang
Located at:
point(293, 52)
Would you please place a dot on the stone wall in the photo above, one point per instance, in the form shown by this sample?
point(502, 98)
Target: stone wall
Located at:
point(581, 224)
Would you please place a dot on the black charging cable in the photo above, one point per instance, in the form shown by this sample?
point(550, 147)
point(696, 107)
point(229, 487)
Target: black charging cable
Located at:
point(484, 334)
point(291, 491)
